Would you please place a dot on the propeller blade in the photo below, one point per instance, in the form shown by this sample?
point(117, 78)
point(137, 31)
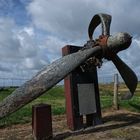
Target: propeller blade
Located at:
point(105, 21)
point(44, 80)
point(127, 74)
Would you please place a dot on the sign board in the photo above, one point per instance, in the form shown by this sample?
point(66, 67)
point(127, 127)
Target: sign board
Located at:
point(86, 97)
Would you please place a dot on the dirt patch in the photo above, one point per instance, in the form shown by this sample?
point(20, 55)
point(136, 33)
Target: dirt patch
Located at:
point(118, 125)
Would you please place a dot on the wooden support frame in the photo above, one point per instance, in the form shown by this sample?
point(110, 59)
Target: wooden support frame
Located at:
point(74, 119)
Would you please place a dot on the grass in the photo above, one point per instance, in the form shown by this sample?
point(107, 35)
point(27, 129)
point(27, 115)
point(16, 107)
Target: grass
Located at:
point(56, 98)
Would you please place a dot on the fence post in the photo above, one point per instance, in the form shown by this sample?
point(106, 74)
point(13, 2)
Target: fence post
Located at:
point(115, 98)
point(42, 122)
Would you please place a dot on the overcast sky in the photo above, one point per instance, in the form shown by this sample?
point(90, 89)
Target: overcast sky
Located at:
point(32, 32)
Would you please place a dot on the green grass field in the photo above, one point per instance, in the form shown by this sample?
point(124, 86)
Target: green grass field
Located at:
point(55, 97)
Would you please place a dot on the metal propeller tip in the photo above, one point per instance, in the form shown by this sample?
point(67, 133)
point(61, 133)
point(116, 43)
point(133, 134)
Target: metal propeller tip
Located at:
point(125, 39)
point(119, 42)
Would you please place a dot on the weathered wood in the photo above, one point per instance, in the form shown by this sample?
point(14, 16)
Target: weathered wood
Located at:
point(115, 99)
point(44, 80)
point(42, 122)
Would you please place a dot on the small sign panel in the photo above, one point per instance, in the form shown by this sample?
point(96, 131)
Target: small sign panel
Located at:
point(86, 97)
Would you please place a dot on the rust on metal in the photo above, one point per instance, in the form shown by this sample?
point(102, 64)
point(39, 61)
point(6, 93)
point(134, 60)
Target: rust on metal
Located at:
point(102, 41)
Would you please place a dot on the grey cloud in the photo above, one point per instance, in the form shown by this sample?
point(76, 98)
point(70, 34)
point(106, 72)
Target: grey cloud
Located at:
point(65, 22)
point(131, 56)
point(69, 20)
point(125, 16)
point(28, 47)
point(9, 44)
point(32, 64)
point(66, 19)
point(5, 69)
point(19, 49)
point(53, 47)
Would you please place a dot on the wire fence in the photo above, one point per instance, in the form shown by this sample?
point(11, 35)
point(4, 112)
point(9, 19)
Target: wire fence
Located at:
point(110, 79)
point(16, 82)
point(12, 82)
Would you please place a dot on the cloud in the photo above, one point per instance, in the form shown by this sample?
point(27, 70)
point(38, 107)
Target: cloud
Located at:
point(19, 51)
point(131, 56)
point(33, 53)
point(51, 24)
point(70, 19)
point(5, 69)
point(9, 44)
point(16, 10)
point(53, 47)
point(66, 19)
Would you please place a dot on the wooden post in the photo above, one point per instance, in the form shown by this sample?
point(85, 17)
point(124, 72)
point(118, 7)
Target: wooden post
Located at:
point(42, 122)
point(115, 99)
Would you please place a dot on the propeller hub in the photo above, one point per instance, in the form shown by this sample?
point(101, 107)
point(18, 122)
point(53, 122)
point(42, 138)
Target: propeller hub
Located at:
point(113, 44)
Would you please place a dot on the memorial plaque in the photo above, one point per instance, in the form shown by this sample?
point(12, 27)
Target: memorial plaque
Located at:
point(86, 97)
